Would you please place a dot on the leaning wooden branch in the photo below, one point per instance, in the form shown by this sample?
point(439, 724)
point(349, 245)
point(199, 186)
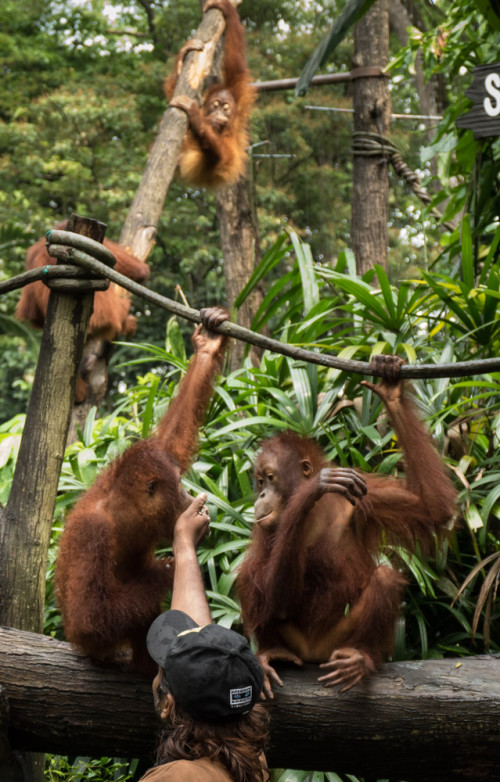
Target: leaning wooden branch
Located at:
point(433, 720)
point(139, 230)
point(58, 248)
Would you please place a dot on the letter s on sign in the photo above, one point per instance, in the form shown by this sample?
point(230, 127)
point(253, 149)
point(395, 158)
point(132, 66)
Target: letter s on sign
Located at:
point(492, 86)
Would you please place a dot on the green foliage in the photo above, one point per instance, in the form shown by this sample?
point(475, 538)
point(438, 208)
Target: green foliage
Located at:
point(253, 402)
point(10, 440)
point(79, 108)
point(19, 349)
point(61, 769)
point(468, 170)
point(279, 775)
point(334, 310)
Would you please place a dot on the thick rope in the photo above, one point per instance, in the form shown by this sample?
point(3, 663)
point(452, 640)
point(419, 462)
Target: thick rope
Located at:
point(59, 246)
point(375, 145)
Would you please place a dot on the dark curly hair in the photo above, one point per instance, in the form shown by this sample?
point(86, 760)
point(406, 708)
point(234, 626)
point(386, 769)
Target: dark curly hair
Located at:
point(238, 745)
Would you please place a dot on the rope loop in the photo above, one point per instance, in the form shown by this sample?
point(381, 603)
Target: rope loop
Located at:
point(76, 251)
point(78, 242)
point(374, 145)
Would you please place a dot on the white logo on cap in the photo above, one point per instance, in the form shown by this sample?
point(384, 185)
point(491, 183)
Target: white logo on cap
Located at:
point(242, 696)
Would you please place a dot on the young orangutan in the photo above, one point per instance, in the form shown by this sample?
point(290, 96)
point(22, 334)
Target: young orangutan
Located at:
point(311, 586)
point(214, 151)
point(109, 584)
point(110, 317)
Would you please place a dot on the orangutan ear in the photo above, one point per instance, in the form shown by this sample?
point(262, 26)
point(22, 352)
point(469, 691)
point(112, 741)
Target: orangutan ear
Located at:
point(306, 468)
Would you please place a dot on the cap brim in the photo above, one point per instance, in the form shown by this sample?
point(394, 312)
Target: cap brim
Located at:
point(164, 631)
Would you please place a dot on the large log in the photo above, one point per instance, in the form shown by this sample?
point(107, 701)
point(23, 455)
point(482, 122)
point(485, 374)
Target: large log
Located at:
point(428, 721)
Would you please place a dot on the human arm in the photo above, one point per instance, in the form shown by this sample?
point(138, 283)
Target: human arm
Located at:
point(188, 594)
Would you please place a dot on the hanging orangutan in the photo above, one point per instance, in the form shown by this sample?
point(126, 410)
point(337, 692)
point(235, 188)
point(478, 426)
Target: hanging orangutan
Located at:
point(311, 586)
point(214, 151)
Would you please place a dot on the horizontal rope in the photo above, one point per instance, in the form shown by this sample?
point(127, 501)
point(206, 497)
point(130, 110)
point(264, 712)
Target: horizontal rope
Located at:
point(82, 259)
point(43, 273)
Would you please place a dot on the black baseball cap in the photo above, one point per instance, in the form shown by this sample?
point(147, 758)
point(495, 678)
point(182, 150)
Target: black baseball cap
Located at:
point(211, 671)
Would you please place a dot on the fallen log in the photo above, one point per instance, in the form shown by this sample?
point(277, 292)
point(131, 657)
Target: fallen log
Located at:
point(425, 721)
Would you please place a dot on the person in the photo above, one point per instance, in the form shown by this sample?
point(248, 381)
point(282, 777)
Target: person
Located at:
point(208, 686)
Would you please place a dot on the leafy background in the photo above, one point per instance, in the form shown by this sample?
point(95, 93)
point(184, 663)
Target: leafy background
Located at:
point(78, 110)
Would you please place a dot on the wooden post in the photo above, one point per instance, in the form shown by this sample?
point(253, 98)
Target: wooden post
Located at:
point(372, 109)
point(26, 522)
point(27, 519)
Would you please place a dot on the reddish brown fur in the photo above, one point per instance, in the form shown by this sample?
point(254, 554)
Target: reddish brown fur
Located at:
point(210, 157)
point(309, 585)
point(110, 317)
point(109, 583)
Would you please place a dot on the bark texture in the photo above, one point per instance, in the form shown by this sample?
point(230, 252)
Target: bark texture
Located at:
point(426, 721)
point(372, 109)
point(240, 250)
point(26, 522)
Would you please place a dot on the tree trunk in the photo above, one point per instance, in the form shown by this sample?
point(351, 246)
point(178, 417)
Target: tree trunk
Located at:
point(241, 253)
point(93, 378)
point(425, 721)
point(372, 109)
point(27, 520)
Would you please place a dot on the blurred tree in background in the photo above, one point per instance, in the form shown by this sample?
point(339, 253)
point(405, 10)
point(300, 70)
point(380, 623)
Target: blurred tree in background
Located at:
point(81, 96)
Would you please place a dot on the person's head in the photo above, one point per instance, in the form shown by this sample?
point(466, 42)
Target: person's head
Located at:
point(207, 688)
point(210, 671)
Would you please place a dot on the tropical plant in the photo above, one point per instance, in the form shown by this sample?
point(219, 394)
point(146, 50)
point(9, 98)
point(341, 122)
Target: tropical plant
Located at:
point(326, 310)
point(59, 768)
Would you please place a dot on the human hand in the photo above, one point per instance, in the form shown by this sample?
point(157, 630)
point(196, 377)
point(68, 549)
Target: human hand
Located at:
point(193, 524)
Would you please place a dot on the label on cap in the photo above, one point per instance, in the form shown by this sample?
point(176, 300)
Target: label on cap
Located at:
point(242, 696)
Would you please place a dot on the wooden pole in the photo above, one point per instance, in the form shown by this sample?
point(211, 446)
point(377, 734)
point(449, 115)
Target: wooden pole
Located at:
point(372, 110)
point(26, 522)
point(423, 721)
point(290, 84)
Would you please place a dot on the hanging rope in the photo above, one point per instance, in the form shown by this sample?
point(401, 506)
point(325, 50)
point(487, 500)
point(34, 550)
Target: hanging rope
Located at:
point(375, 145)
point(81, 251)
